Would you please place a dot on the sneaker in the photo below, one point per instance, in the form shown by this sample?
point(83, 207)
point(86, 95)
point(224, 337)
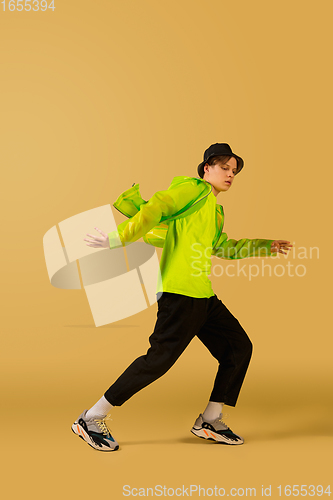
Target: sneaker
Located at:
point(216, 430)
point(95, 432)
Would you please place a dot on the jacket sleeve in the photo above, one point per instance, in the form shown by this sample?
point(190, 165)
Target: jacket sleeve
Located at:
point(162, 204)
point(240, 249)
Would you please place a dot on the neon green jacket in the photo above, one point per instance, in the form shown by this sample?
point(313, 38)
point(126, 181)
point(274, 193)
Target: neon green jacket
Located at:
point(166, 214)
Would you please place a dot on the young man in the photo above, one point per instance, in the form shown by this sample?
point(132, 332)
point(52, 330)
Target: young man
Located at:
point(186, 221)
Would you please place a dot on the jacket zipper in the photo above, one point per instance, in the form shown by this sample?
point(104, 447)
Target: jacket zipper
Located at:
point(220, 231)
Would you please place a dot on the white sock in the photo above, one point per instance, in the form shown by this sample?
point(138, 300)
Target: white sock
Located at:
point(100, 409)
point(212, 411)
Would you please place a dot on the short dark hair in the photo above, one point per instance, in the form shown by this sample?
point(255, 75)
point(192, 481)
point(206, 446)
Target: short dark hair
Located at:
point(213, 160)
point(218, 159)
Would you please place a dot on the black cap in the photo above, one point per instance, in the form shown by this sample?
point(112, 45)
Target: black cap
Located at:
point(217, 150)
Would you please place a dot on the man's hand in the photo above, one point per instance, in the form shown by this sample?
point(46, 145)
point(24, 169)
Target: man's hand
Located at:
point(280, 245)
point(98, 241)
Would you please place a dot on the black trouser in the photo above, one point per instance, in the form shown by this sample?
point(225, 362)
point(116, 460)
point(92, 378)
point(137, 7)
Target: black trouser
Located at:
point(179, 319)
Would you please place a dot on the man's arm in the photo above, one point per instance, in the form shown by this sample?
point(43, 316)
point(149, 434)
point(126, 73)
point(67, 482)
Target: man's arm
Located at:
point(162, 204)
point(240, 249)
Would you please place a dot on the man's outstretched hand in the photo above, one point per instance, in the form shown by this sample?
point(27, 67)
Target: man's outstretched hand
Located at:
point(98, 241)
point(280, 245)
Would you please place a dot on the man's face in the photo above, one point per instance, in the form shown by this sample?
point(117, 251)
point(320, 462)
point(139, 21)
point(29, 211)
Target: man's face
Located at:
point(221, 176)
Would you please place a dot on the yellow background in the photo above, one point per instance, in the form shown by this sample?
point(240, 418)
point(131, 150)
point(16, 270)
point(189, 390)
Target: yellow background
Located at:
point(96, 96)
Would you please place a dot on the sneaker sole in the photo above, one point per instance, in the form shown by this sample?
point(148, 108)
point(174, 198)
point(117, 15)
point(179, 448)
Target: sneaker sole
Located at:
point(212, 436)
point(79, 431)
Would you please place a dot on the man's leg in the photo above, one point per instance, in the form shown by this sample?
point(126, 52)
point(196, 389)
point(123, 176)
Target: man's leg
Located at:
point(179, 319)
point(227, 341)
